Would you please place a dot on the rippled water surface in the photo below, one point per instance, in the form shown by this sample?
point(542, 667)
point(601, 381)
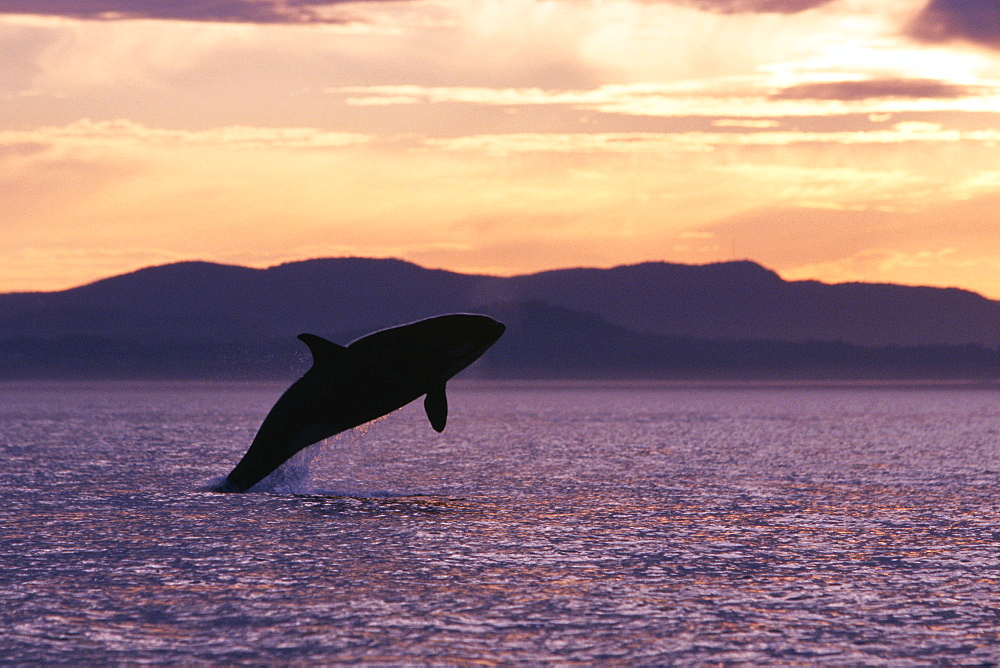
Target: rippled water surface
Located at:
point(566, 524)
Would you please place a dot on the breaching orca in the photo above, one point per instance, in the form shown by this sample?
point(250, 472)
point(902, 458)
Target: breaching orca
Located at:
point(371, 377)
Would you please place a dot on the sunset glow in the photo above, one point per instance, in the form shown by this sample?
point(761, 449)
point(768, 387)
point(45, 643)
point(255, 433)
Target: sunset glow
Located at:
point(837, 140)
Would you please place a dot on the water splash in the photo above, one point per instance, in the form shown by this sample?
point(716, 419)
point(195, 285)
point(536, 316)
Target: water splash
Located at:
point(217, 484)
point(296, 476)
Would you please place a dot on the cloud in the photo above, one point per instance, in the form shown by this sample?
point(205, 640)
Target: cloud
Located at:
point(755, 6)
point(747, 123)
point(512, 202)
point(305, 11)
point(238, 11)
point(972, 20)
point(876, 89)
point(751, 97)
point(634, 143)
point(130, 134)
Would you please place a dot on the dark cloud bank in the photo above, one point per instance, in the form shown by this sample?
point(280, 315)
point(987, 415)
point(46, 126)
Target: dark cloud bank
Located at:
point(976, 21)
point(972, 20)
point(241, 11)
point(297, 11)
point(301, 11)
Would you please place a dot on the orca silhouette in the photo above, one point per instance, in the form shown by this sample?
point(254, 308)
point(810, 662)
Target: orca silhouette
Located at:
point(371, 377)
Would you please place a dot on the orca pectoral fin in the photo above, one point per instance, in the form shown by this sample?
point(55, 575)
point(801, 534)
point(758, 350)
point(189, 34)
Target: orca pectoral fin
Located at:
point(436, 405)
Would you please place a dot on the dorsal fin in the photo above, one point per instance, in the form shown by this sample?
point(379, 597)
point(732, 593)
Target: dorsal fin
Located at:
point(323, 351)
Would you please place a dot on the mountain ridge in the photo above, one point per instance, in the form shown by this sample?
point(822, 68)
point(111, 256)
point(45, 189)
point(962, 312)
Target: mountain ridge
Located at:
point(651, 318)
point(719, 300)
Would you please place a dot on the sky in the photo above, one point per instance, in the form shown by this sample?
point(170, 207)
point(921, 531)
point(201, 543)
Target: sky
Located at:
point(838, 140)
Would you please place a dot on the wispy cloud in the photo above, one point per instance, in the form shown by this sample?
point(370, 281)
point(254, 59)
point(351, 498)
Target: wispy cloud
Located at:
point(972, 20)
point(123, 132)
point(656, 143)
point(755, 6)
point(879, 89)
point(240, 11)
point(725, 97)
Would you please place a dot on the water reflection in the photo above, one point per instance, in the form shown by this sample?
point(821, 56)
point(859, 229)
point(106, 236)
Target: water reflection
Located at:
point(331, 503)
point(655, 528)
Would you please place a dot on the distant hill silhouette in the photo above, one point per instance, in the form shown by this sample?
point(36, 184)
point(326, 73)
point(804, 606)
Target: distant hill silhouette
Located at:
point(198, 319)
point(744, 300)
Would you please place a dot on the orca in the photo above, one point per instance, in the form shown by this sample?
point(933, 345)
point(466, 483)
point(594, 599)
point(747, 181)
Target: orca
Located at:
point(347, 386)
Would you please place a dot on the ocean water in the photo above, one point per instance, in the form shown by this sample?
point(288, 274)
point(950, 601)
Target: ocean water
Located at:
point(590, 524)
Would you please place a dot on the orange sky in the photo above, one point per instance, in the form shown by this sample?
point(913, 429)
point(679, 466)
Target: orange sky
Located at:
point(830, 139)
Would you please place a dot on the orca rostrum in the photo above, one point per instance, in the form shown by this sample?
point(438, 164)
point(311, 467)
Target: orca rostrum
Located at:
point(348, 386)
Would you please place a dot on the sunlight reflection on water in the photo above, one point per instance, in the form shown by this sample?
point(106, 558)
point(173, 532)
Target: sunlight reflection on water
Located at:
point(588, 525)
